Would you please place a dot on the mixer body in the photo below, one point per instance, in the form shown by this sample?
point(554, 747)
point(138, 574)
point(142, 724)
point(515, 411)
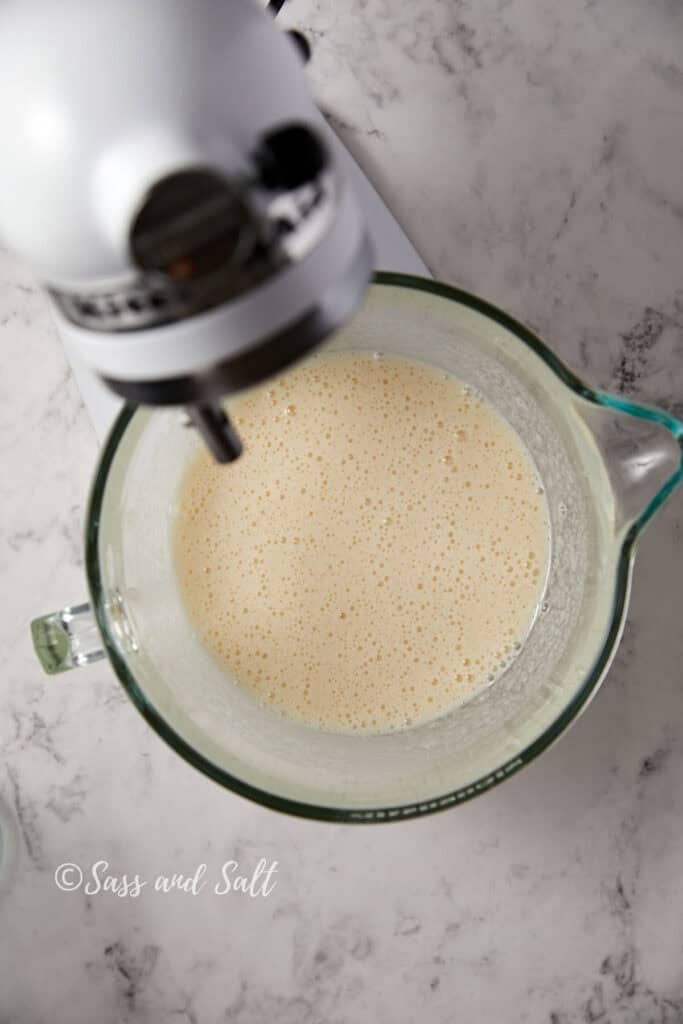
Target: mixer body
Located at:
point(169, 182)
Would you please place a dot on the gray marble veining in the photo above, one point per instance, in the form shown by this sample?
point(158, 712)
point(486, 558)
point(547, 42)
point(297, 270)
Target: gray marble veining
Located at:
point(533, 153)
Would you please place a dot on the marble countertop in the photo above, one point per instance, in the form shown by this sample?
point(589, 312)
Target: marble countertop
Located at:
point(533, 152)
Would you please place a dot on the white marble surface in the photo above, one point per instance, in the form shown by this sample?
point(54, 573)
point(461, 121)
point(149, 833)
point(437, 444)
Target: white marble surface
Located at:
point(534, 153)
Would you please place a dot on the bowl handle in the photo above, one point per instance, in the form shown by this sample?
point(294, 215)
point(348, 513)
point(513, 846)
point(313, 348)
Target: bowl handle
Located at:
point(67, 639)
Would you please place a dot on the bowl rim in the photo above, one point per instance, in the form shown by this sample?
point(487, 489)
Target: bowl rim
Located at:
point(507, 768)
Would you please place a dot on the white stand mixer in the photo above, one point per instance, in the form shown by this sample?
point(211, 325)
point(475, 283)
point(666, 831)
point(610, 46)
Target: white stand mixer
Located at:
point(196, 224)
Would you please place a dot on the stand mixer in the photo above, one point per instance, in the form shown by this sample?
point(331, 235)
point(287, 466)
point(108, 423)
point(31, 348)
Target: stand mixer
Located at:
point(171, 183)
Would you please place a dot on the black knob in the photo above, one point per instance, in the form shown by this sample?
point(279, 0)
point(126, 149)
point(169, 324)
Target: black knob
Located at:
point(290, 157)
point(303, 47)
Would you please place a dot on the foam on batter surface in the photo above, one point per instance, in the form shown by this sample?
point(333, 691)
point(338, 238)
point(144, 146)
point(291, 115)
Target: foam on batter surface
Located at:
point(376, 555)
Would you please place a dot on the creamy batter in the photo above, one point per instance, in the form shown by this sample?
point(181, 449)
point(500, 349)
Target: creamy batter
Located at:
point(376, 555)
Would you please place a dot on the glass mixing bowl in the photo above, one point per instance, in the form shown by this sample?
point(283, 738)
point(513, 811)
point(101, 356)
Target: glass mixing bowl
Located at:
point(606, 466)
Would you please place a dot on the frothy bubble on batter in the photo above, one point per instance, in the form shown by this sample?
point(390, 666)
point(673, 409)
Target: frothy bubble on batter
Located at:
point(377, 554)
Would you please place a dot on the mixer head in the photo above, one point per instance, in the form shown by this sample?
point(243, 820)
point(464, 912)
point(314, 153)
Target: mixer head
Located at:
point(170, 182)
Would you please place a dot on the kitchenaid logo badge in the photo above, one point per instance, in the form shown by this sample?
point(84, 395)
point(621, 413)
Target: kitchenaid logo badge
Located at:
point(98, 879)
